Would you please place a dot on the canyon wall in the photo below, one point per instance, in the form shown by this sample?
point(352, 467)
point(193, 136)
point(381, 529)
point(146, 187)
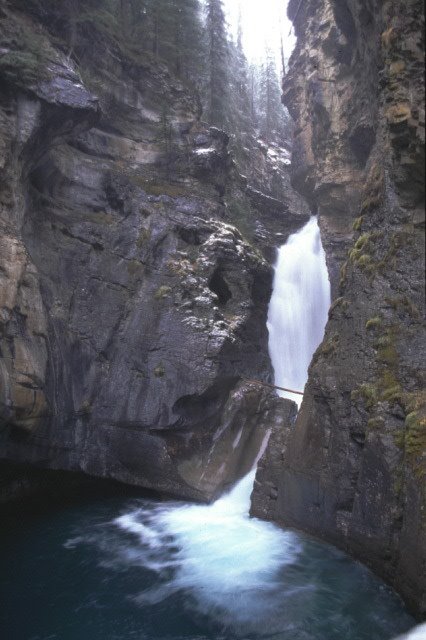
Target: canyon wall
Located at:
point(353, 469)
point(132, 306)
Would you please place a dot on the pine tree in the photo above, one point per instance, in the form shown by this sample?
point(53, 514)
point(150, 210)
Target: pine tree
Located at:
point(272, 114)
point(218, 65)
point(242, 115)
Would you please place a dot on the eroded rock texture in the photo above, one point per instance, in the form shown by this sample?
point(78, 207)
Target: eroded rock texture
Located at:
point(354, 467)
point(131, 306)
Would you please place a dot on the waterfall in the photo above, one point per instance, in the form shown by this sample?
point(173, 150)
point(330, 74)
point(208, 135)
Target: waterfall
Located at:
point(299, 308)
point(228, 561)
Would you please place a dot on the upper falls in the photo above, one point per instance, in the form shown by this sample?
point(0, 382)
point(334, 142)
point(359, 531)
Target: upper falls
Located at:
point(299, 308)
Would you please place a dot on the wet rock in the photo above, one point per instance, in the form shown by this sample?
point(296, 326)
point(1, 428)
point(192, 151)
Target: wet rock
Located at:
point(269, 470)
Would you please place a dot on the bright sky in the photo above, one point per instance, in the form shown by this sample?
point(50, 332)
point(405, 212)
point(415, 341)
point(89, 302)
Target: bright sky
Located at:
point(263, 23)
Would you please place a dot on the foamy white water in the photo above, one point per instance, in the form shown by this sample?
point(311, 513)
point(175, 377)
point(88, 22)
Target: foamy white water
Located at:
point(228, 562)
point(298, 309)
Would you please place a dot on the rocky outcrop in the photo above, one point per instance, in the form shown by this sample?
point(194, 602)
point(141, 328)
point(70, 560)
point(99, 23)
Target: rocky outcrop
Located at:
point(269, 469)
point(354, 467)
point(131, 306)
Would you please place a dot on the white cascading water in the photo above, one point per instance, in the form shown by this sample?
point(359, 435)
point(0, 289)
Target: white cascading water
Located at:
point(228, 562)
point(298, 309)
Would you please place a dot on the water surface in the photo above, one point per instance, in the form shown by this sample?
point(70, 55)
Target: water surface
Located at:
point(118, 569)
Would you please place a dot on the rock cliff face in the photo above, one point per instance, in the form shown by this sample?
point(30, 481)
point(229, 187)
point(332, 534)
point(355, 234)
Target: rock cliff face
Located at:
point(131, 306)
point(353, 470)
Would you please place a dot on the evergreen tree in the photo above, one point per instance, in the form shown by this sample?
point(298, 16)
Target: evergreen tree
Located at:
point(218, 65)
point(241, 105)
point(272, 117)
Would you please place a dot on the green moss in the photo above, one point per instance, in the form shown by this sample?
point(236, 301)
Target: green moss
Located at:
point(375, 423)
point(388, 354)
point(341, 303)
point(374, 189)
point(101, 217)
point(355, 254)
point(159, 371)
point(386, 348)
point(154, 188)
point(358, 223)
point(399, 438)
point(404, 304)
point(133, 267)
point(362, 240)
point(329, 346)
point(392, 394)
point(389, 387)
point(384, 341)
point(413, 441)
point(367, 392)
point(162, 292)
point(364, 261)
point(398, 240)
point(371, 202)
point(27, 64)
point(144, 236)
point(373, 323)
point(415, 401)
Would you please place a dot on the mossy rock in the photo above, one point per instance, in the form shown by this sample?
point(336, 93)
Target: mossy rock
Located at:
point(404, 304)
point(413, 441)
point(162, 292)
point(143, 238)
point(365, 262)
point(374, 189)
point(362, 240)
point(396, 67)
point(366, 391)
point(343, 274)
point(159, 371)
point(375, 423)
point(373, 323)
point(386, 348)
point(134, 267)
point(398, 113)
point(329, 346)
point(339, 303)
point(389, 387)
point(358, 223)
point(155, 188)
point(25, 64)
point(388, 37)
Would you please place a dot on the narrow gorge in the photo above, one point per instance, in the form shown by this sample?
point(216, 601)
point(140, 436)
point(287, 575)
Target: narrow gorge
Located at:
point(175, 251)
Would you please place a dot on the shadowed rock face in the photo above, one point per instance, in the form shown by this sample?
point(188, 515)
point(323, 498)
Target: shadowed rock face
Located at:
point(130, 306)
point(353, 469)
